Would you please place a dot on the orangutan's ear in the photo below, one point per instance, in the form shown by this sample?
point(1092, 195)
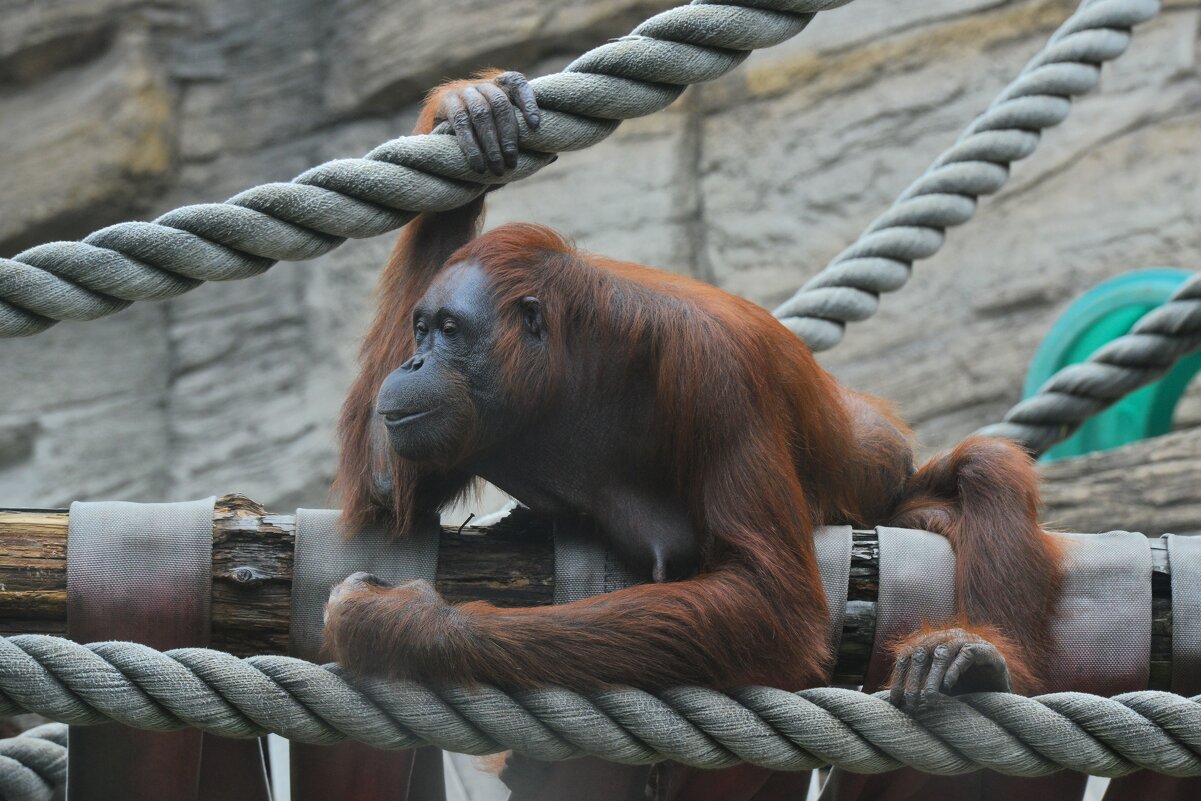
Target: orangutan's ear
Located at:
point(531, 314)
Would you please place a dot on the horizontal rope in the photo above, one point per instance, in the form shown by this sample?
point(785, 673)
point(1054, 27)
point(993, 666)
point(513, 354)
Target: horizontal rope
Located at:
point(1159, 339)
point(356, 198)
point(881, 260)
point(216, 692)
point(33, 765)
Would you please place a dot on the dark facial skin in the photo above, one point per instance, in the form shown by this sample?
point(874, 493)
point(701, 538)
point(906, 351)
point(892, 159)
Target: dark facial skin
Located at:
point(434, 404)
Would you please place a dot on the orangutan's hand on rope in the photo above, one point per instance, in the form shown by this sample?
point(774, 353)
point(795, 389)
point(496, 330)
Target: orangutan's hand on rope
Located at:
point(482, 111)
point(946, 662)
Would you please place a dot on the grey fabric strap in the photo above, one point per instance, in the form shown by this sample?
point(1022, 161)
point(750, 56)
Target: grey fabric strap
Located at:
point(833, 544)
point(1184, 554)
point(917, 582)
point(917, 588)
point(325, 556)
point(1103, 631)
point(120, 555)
point(583, 565)
point(140, 572)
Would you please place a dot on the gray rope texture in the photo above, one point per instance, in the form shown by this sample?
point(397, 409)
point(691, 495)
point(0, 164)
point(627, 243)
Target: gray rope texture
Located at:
point(356, 198)
point(216, 692)
point(881, 260)
point(1159, 339)
point(33, 765)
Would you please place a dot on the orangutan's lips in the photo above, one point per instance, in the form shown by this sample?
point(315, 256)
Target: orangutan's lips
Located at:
point(400, 418)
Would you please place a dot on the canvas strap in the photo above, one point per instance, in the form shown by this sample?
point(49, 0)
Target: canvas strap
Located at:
point(143, 572)
point(1102, 632)
point(325, 556)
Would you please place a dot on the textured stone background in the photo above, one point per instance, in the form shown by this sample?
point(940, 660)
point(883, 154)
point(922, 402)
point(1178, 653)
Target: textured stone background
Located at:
point(117, 109)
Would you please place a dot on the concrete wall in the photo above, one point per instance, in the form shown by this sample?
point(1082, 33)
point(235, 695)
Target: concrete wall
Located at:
point(119, 109)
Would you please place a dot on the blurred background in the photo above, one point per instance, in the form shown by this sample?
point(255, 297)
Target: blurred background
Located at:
point(123, 109)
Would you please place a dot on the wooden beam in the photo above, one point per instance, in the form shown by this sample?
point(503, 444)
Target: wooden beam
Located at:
point(1148, 486)
point(509, 564)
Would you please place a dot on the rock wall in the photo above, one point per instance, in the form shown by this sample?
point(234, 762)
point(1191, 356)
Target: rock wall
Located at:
point(118, 109)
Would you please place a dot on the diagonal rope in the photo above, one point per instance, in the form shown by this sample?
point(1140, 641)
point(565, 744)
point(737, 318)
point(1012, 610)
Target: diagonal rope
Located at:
point(356, 198)
point(1159, 339)
point(216, 692)
point(881, 260)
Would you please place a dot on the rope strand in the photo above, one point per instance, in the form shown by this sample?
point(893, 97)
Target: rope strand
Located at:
point(194, 687)
point(356, 198)
point(881, 260)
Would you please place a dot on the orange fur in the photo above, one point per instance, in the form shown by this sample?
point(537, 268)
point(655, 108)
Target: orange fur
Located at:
point(759, 443)
point(428, 118)
point(983, 496)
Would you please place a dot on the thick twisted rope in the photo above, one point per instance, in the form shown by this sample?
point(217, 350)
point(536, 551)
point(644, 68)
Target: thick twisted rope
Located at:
point(1159, 339)
point(355, 198)
point(881, 260)
point(33, 765)
point(219, 693)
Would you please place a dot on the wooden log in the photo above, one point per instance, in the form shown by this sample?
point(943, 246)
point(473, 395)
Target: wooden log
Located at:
point(1148, 486)
point(508, 564)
